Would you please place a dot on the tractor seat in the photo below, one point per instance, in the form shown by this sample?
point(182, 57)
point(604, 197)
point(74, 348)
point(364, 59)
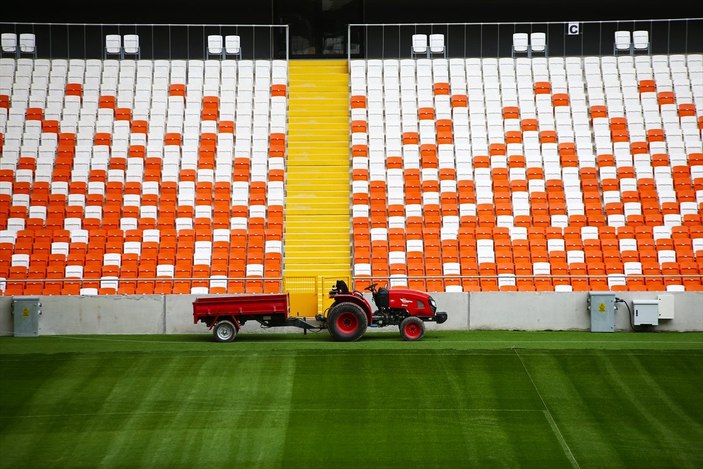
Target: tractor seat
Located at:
point(382, 298)
point(342, 287)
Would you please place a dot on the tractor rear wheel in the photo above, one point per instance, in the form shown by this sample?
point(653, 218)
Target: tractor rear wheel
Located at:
point(347, 322)
point(412, 328)
point(225, 331)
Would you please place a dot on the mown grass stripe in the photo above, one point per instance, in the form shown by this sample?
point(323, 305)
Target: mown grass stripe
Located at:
point(282, 400)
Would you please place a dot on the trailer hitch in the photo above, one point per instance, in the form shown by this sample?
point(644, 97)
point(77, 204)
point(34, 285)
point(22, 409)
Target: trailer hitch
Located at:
point(306, 326)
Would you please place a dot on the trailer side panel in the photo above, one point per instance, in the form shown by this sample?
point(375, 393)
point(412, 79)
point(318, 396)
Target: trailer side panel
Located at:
point(250, 306)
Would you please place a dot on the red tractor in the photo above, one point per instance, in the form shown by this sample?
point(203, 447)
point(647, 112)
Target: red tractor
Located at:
point(347, 318)
point(351, 314)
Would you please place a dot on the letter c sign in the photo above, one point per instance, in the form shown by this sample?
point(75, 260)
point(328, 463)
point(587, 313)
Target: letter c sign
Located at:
point(573, 29)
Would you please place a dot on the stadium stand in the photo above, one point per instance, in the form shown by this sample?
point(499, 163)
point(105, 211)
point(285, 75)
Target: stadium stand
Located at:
point(529, 173)
point(120, 171)
point(532, 172)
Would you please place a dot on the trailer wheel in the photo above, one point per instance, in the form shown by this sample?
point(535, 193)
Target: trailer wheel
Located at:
point(347, 322)
point(412, 328)
point(225, 331)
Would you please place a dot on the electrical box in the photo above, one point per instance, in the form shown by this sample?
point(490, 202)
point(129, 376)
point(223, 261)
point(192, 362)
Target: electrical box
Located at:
point(602, 309)
point(26, 311)
point(666, 306)
point(646, 312)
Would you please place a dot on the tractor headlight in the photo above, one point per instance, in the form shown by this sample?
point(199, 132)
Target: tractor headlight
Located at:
point(433, 304)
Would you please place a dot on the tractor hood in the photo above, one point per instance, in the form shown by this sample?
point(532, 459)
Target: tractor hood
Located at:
point(417, 303)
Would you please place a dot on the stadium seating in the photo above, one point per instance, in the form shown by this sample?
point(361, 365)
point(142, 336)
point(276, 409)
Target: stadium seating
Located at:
point(126, 175)
point(524, 173)
point(8, 43)
point(541, 173)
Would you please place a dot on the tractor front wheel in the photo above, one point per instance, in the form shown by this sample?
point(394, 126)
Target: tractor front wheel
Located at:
point(347, 322)
point(225, 331)
point(412, 328)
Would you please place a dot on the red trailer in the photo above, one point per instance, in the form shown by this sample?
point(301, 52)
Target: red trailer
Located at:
point(346, 319)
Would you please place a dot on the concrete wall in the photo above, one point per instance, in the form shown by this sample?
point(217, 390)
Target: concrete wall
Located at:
point(173, 314)
point(569, 311)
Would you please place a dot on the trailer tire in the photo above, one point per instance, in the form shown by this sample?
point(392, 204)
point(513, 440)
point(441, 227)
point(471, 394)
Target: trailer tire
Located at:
point(347, 322)
point(225, 331)
point(412, 328)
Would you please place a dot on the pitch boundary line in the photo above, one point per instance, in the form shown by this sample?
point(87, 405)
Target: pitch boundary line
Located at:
point(107, 338)
point(50, 356)
point(550, 419)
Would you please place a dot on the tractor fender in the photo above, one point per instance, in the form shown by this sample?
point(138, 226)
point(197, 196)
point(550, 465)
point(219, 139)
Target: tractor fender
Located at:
point(357, 300)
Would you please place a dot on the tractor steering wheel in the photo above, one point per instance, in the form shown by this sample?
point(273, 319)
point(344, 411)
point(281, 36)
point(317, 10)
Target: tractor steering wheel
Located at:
point(371, 287)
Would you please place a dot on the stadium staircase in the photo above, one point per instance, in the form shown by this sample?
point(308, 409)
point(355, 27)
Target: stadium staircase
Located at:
point(317, 235)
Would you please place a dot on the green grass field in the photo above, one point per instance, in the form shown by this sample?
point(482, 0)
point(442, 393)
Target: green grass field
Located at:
point(455, 399)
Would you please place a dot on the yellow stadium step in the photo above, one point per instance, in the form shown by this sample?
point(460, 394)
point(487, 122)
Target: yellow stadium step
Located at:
point(324, 180)
point(317, 97)
point(317, 128)
point(317, 235)
point(338, 146)
point(319, 154)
